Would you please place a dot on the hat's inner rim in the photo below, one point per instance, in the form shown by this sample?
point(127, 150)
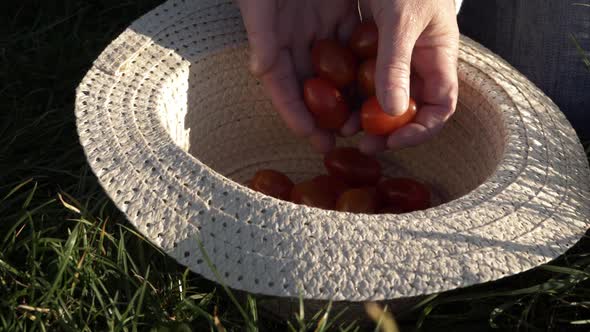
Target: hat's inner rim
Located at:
point(220, 115)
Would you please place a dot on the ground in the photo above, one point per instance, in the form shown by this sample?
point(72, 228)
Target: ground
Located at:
point(69, 260)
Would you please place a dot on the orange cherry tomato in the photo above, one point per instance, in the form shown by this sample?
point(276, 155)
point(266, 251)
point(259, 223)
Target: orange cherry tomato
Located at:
point(334, 62)
point(332, 184)
point(404, 194)
point(272, 183)
point(358, 200)
point(375, 121)
point(325, 103)
point(352, 166)
point(311, 194)
point(366, 77)
point(364, 40)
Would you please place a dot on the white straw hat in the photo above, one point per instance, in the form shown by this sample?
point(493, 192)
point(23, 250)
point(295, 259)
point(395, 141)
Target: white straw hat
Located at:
point(172, 122)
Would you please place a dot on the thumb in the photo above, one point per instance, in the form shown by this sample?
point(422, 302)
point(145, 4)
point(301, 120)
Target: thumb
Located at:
point(397, 37)
point(259, 21)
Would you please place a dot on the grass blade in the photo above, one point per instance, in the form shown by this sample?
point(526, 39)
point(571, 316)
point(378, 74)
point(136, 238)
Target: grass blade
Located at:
point(65, 259)
point(17, 188)
point(250, 324)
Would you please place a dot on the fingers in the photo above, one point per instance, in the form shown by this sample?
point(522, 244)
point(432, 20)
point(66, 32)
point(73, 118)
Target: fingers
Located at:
point(347, 25)
point(413, 134)
point(352, 125)
point(300, 40)
point(398, 32)
point(259, 20)
point(302, 59)
point(436, 67)
point(284, 91)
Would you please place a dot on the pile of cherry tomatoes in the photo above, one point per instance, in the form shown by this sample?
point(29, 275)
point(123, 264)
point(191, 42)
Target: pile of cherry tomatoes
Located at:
point(341, 82)
point(354, 182)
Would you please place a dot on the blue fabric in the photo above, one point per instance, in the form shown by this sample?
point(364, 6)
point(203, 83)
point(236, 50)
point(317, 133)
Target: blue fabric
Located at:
point(535, 37)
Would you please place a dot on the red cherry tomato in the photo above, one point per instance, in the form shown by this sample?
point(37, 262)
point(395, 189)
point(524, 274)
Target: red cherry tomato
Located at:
point(326, 103)
point(375, 121)
point(272, 183)
point(366, 77)
point(352, 166)
point(333, 62)
point(358, 200)
point(404, 194)
point(332, 184)
point(364, 40)
point(311, 194)
point(390, 210)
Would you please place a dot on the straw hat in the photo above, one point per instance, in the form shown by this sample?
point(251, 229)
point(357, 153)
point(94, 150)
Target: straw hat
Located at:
point(172, 123)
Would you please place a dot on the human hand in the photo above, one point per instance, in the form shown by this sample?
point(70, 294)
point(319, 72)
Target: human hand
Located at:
point(422, 35)
point(417, 56)
point(281, 33)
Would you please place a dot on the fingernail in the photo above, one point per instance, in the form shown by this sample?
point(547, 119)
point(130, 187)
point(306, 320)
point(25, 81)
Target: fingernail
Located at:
point(396, 102)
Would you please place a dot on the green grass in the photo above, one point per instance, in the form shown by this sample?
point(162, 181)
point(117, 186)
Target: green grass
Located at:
point(70, 262)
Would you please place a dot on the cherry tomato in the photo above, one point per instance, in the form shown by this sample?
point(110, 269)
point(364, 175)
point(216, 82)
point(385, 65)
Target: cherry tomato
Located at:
point(366, 77)
point(391, 209)
point(332, 184)
point(311, 194)
point(352, 166)
point(364, 40)
point(333, 62)
point(375, 121)
point(326, 103)
point(358, 200)
point(405, 194)
point(272, 183)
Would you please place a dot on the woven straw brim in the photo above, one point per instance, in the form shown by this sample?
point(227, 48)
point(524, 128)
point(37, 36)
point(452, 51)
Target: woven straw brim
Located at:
point(172, 122)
